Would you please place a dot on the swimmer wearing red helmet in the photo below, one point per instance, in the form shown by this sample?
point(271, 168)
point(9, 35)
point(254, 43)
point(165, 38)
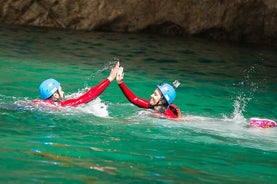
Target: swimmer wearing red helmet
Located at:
point(51, 91)
point(160, 102)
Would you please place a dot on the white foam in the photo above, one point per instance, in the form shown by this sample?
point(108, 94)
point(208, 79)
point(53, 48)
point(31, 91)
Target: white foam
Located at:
point(95, 107)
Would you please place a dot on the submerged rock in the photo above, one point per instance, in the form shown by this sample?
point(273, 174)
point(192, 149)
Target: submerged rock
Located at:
point(236, 20)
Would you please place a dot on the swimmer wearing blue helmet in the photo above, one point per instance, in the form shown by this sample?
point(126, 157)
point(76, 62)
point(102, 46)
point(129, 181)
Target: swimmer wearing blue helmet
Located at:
point(51, 92)
point(161, 101)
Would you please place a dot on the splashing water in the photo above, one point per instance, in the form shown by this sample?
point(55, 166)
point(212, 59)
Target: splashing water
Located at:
point(95, 107)
point(248, 87)
point(253, 78)
point(239, 108)
point(108, 66)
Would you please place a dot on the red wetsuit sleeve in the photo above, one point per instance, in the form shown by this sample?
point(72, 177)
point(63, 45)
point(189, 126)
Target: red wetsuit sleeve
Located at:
point(132, 97)
point(88, 96)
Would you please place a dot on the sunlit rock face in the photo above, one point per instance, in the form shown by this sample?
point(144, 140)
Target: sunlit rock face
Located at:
point(233, 20)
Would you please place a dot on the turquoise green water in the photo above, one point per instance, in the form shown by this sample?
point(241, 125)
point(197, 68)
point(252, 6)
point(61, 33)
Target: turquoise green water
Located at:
point(111, 141)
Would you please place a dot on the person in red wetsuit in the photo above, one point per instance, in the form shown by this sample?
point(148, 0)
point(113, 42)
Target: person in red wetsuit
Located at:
point(160, 102)
point(51, 91)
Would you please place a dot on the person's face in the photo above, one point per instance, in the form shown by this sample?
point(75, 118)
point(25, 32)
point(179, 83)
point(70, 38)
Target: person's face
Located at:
point(59, 94)
point(155, 97)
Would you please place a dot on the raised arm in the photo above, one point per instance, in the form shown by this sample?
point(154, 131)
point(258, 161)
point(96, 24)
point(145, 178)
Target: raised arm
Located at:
point(94, 91)
point(128, 93)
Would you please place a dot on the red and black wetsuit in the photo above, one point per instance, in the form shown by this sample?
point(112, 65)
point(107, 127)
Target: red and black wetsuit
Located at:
point(85, 98)
point(171, 112)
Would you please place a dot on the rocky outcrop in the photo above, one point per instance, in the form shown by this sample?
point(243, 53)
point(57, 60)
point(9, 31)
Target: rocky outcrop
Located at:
point(235, 20)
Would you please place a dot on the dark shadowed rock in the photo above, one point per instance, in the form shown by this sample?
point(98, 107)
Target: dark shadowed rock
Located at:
point(233, 20)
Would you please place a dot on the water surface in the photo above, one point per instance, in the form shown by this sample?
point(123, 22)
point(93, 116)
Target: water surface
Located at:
point(111, 141)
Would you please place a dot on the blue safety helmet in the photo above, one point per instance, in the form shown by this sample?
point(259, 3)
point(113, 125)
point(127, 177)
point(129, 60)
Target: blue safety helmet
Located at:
point(168, 92)
point(48, 87)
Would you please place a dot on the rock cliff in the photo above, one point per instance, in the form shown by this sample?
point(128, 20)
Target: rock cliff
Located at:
point(233, 20)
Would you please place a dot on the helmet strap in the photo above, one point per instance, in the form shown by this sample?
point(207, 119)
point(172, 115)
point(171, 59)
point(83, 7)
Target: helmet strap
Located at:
point(60, 97)
point(164, 105)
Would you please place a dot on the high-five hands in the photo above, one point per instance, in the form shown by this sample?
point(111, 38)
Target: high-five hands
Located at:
point(114, 71)
point(120, 75)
